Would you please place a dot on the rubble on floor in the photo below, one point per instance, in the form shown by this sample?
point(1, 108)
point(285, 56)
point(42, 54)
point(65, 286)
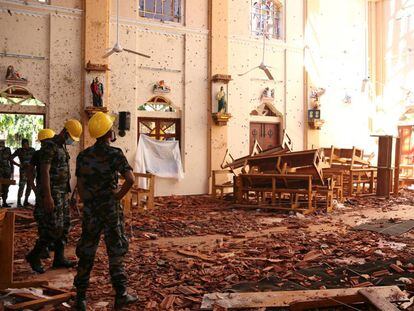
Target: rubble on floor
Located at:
point(191, 246)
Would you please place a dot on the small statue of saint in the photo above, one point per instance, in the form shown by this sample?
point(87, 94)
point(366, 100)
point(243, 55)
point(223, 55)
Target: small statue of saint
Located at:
point(13, 74)
point(221, 99)
point(97, 92)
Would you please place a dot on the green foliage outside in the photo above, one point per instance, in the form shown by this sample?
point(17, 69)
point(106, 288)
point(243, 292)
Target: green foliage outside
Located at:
point(15, 127)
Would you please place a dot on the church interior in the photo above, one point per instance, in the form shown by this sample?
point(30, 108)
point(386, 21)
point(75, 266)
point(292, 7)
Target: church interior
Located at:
point(206, 155)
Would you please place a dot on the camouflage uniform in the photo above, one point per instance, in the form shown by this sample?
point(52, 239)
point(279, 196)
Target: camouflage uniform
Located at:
point(53, 227)
point(6, 171)
point(98, 168)
point(24, 155)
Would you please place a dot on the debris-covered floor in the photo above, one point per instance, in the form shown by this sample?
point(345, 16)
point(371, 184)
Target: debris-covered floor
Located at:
point(191, 246)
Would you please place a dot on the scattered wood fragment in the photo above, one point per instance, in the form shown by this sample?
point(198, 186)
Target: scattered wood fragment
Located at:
point(284, 299)
point(378, 299)
point(195, 255)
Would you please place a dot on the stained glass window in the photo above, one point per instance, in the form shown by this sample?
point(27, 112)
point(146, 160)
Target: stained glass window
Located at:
point(267, 18)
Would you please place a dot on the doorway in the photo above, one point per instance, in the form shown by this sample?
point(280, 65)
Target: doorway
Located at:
point(13, 128)
point(266, 134)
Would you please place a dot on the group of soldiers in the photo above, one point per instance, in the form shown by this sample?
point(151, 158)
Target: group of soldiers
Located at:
point(97, 170)
point(7, 164)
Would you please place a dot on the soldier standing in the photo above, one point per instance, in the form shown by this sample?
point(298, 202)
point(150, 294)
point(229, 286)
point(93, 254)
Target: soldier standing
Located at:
point(52, 196)
point(6, 170)
point(97, 170)
point(32, 171)
point(24, 154)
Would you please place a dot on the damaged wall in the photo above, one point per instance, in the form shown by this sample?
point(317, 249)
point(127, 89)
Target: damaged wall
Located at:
point(394, 71)
point(285, 55)
point(179, 55)
point(336, 59)
point(53, 34)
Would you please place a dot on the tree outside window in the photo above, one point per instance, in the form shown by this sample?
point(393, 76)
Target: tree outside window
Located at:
point(266, 18)
point(164, 10)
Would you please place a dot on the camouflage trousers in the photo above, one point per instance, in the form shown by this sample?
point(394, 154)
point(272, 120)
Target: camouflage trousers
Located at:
point(107, 217)
point(23, 183)
point(4, 189)
point(54, 226)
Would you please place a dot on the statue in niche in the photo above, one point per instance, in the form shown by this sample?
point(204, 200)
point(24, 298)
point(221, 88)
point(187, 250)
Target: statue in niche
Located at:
point(97, 92)
point(221, 99)
point(13, 74)
point(316, 93)
point(161, 88)
point(268, 94)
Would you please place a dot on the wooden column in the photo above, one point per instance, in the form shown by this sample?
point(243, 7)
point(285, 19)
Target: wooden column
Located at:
point(96, 38)
point(385, 166)
point(218, 48)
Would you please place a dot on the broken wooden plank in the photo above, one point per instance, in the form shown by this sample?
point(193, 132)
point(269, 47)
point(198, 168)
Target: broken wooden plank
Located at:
point(286, 298)
point(378, 299)
point(34, 304)
point(195, 255)
point(327, 303)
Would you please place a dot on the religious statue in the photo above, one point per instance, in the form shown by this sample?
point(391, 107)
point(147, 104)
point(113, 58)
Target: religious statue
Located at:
point(316, 93)
point(13, 74)
point(221, 98)
point(268, 94)
point(97, 92)
point(161, 87)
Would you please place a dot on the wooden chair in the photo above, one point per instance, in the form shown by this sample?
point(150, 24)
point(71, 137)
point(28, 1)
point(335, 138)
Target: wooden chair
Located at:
point(139, 193)
point(218, 185)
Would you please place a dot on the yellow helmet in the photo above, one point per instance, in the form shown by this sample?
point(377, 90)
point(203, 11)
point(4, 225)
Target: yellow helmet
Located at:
point(45, 134)
point(74, 128)
point(100, 124)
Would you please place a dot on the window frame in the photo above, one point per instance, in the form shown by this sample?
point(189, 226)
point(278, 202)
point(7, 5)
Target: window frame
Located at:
point(157, 135)
point(175, 16)
point(278, 22)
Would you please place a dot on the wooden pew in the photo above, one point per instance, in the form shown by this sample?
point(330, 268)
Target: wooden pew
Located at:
point(219, 185)
point(301, 162)
point(296, 188)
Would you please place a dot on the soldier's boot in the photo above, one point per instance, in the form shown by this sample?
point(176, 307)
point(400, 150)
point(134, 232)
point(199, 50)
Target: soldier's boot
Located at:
point(123, 299)
point(26, 202)
point(44, 254)
point(19, 202)
point(80, 301)
point(60, 261)
point(33, 259)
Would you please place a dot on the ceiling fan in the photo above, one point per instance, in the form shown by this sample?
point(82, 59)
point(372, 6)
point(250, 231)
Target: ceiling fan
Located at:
point(262, 65)
point(117, 47)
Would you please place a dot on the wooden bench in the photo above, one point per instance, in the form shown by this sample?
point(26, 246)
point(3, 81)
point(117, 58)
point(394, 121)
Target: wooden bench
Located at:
point(296, 188)
point(309, 162)
point(220, 182)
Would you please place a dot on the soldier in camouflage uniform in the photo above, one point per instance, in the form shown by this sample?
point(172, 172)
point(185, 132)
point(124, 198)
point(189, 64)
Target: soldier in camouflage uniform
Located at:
point(6, 170)
point(34, 171)
point(97, 170)
point(24, 154)
point(52, 197)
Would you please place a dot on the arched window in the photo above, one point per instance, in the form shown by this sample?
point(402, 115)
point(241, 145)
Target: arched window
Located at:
point(159, 119)
point(267, 17)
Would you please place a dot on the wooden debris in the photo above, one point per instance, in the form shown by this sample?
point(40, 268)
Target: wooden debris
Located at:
point(378, 299)
point(284, 299)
